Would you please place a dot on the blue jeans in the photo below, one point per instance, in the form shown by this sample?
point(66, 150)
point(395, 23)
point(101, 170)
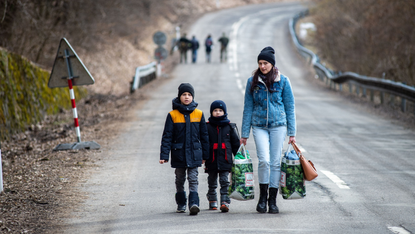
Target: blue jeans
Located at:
point(194, 56)
point(269, 143)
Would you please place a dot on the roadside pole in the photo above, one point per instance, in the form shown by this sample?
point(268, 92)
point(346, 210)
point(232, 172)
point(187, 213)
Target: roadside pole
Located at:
point(160, 53)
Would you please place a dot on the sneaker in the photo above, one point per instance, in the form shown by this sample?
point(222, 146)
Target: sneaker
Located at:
point(213, 205)
point(194, 210)
point(181, 209)
point(224, 207)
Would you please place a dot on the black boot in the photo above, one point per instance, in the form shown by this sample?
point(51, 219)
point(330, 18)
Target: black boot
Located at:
point(272, 201)
point(181, 202)
point(194, 203)
point(262, 202)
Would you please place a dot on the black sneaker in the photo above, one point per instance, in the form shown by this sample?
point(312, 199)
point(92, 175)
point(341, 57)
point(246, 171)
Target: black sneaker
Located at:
point(194, 210)
point(181, 209)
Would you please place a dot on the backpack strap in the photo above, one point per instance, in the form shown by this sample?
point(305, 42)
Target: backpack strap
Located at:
point(235, 128)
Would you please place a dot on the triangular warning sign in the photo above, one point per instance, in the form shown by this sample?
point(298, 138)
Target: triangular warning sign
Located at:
point(68, 65)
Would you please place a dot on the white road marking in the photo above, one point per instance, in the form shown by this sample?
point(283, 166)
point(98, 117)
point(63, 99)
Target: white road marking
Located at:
point(399, 230)
point(234, 41)
point(336, 179)
point(240, 86)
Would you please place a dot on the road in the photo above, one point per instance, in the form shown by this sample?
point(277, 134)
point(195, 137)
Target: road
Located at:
point(365, 162)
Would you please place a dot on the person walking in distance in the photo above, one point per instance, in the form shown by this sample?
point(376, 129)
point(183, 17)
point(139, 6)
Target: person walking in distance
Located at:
point(223, 142)
point(195, 47)
point(185, 137)
point(223, 47)
point(184, 45)
point(269, 109)
point(208, 46)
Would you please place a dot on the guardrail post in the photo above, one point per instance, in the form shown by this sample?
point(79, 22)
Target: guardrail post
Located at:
point(350, 88)
point(357, 90)
point(403, 105)
point(340, 87)
point(363, 92)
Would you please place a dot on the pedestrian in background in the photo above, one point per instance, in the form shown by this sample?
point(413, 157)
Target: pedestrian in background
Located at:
point(185, 137)
point(184, 45)
point(195, 47)
point(223, 142)
point(208, 45)
point(269, 109)
point(223, 47)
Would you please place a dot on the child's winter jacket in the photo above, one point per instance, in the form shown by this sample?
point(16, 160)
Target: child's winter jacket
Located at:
point(185, 136)
point(223, 142)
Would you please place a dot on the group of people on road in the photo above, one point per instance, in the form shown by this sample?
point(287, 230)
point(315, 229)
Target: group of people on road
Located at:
point(188, 141)
point(185, 45)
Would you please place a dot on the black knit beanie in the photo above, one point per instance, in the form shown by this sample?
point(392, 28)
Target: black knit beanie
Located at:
point(186, 87)
point(267, 54)
point(218, 104)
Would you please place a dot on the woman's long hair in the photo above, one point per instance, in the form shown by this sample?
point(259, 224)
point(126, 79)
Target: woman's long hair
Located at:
point(269, 78)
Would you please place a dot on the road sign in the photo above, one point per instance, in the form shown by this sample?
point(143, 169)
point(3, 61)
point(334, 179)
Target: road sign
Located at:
point(72, 68)
point(159, 38)
point(160, 53)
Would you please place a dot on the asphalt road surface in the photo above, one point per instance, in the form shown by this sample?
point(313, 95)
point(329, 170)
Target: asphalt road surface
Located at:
point(366, 167)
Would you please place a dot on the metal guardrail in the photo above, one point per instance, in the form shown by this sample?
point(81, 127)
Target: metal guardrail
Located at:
point(143, 75)
point(405, 92)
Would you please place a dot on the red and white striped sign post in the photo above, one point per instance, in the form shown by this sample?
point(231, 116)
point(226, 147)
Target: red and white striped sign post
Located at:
point(68, 71)
point(75, 114)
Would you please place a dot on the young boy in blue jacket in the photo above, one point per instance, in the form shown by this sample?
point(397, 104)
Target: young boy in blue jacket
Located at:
point(185, 137)
point(223, 142)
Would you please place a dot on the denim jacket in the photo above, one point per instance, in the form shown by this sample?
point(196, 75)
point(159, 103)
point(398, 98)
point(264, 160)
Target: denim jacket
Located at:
point(266, 109)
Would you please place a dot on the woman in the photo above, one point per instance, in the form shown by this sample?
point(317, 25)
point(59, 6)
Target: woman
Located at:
point(269, 110)
point(208, 45)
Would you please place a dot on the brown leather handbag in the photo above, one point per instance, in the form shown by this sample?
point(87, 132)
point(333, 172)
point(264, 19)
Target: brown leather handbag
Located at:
point(310, 172)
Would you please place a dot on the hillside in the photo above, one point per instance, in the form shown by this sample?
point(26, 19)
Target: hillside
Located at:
point(111, 37)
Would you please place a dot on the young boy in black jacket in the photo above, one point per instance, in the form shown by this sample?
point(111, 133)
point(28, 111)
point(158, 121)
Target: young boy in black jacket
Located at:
point(185, 136)
point(223, 142)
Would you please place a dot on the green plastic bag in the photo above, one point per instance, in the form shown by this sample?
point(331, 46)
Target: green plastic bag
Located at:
point(242, 176)
point(292, 181)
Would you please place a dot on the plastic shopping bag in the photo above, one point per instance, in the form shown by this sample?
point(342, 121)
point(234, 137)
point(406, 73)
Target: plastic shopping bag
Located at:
point(242, 176)
point(292, 181)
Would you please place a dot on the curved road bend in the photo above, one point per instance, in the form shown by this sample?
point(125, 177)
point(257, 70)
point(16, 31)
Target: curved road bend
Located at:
point(365, 163)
